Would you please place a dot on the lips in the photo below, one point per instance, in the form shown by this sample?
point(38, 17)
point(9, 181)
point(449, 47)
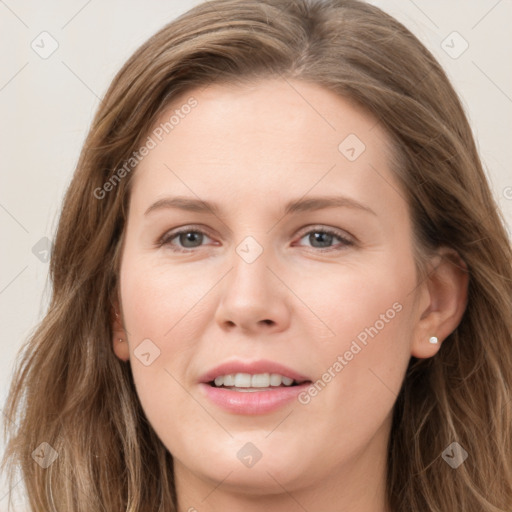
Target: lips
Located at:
point(254, 367)
point(254, 403)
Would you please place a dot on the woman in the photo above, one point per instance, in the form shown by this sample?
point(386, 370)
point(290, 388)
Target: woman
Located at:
point(280, 282)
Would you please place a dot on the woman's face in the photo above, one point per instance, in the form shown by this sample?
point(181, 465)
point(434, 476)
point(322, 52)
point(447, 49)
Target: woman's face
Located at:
point(305, 262)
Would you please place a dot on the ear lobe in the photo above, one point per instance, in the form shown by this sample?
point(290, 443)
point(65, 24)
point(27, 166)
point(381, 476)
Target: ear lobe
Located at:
point(119, 338)
point(446, 287)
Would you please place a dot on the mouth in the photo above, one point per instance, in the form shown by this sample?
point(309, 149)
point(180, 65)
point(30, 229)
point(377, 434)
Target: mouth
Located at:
point(252, 388)
point(246, 382)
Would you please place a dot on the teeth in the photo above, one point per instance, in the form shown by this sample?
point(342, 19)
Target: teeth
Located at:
point(246, 380)
point(275, 379)
point(229, 380)
point(242, 380)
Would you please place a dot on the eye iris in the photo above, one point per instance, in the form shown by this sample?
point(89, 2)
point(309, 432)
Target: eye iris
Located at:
point(190, 236)
point(323, 238)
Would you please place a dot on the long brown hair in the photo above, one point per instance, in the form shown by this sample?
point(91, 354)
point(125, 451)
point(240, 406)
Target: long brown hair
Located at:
point(69, 389)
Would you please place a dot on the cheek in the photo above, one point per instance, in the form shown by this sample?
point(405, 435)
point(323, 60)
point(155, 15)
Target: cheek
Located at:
point(361, 368)
point(160, 308)
point(159, 301)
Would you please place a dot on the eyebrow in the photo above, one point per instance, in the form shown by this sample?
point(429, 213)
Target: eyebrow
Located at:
point(298, 205)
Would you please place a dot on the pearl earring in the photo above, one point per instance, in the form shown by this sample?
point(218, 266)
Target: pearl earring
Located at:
point(433, 340)
point(121, 340)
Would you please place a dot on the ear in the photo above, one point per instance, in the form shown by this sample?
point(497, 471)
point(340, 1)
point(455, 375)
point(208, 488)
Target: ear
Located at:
point(443, 300)
point(119, 337)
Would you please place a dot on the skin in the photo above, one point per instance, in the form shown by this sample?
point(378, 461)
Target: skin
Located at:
point(251, 149)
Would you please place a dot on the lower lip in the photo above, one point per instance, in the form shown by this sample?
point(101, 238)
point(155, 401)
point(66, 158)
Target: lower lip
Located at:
point(252, 402)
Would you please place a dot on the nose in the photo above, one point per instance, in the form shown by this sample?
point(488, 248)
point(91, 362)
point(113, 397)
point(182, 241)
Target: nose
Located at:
point(253, 298)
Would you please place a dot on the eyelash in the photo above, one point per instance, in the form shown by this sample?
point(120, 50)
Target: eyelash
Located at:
point(169, 236)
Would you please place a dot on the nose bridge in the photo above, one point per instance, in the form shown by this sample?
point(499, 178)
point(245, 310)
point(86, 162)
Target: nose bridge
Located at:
point(251, 295)
point(250, 275)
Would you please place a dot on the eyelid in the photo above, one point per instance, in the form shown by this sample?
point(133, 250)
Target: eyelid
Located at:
point(346, 240)
point(341, 233)
point(173, 233)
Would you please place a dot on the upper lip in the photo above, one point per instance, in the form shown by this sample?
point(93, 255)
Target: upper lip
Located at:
point(252, 367)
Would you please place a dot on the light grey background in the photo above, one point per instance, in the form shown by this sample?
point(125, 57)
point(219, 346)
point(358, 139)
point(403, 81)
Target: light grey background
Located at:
point(47, 104)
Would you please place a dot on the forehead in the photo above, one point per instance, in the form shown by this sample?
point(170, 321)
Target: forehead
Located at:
point(273, 111)
point(263, 136)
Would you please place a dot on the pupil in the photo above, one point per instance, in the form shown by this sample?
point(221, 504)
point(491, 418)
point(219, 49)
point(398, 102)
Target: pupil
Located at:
point(324, 238)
